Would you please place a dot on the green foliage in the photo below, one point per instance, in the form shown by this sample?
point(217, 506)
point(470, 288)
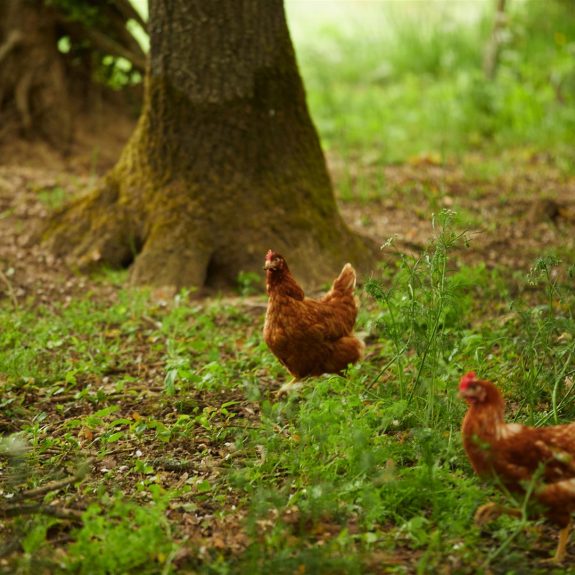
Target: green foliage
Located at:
point(394, 82)
point(122, 538)
point(249, 283)
point(382, 446)
point(423, 313)
point(77, 10)
point(53, 197)
point(106, 30)
point(175, 396)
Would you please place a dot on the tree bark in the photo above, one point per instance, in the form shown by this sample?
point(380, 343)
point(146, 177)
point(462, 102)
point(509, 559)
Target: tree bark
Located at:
point(42, 90)
point(224, 164)
point(33, 89)
point(493, 49)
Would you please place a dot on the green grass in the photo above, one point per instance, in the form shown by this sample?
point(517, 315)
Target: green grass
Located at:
point(350, 474)
point(398, 80)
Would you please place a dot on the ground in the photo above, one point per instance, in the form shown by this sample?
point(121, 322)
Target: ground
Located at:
point(514, 212)
point(513, 216)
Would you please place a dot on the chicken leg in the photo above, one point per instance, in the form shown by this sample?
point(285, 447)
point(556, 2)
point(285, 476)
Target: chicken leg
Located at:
point(289, 386)
point(491, 511)
point(562, 544)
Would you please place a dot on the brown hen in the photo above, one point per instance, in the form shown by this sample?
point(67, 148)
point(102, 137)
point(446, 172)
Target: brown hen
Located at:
point(309, 336)
point(520, 457)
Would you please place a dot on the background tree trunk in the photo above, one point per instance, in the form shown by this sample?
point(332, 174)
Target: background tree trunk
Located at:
point(43, 90)
point(493, 48)
point(225, 162)
point(33, 88)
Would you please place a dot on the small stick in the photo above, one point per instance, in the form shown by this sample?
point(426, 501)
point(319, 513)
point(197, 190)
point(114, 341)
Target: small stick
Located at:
point(53, 485)
point(9, 288)
point(51, 510)
point(15, 37)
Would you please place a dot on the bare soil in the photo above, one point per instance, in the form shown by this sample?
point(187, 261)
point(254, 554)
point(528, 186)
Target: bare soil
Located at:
point(518, 216)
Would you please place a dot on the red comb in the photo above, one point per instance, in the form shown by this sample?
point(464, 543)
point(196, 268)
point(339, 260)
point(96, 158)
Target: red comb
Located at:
point(269, 255)
point(467, 379)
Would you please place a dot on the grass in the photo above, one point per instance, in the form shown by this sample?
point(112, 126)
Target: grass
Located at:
point(354, 475)
point(402, 80)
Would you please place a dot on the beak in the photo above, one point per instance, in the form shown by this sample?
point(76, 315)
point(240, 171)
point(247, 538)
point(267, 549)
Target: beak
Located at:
point(470, 396)
point(268, 265)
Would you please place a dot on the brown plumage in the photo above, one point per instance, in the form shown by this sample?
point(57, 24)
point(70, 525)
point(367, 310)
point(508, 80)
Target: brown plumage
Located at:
point(518, 455)
point(309, 336)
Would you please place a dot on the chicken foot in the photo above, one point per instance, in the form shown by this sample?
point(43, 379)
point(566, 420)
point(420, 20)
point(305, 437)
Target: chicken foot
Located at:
point(561, 550)
point(491, 511)
point(293, 385)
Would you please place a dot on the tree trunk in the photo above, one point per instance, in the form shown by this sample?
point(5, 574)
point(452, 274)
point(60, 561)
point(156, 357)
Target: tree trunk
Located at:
point(225, 162)
point(33, 89)
point(44, 91)
point(493, 49)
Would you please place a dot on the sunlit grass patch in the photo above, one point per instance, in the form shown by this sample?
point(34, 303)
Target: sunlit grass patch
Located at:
point(404, 79)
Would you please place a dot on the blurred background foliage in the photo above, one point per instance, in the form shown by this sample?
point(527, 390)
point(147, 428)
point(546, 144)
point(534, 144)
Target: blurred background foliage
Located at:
point(388, 81)
point(401, 79)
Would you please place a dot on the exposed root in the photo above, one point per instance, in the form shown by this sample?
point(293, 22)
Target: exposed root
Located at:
point(14, 39)
point(37, 508)
point(22, 94)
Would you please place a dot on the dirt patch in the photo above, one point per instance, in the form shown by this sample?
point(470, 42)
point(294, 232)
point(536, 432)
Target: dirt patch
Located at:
point(514, 218)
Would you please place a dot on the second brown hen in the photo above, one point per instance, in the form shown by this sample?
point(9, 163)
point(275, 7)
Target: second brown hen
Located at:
point(310, 336)
point(538, 460)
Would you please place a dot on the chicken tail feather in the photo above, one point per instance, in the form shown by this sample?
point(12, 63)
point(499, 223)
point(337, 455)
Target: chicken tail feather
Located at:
point(345, 282)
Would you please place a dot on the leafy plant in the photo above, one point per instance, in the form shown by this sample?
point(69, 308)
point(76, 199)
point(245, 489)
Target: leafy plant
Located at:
point(123, 537)
point(423, 309)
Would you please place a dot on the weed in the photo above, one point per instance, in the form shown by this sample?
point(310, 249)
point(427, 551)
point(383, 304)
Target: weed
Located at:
point(249, 283)
point(422, 310)
point(122, 537)
point(195, 466)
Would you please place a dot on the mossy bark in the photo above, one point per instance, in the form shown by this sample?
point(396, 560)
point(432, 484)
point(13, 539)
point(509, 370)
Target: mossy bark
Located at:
point(33, 87)
point(225, 162)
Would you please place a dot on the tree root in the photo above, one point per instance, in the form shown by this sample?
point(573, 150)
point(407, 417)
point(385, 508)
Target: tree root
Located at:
point(81, 472)
point(31, 508)
point(13, 40)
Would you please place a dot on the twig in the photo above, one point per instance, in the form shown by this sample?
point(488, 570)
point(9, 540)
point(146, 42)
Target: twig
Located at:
point(9, 288)
point(130, 13)
point(384, 369)
point(59, 397)
point(174, 464)
point(22, 96)
point(32, 508)
point(14, 38)
point(111, 46)
point(10, 547)
point(53, 485)
point(151, 321)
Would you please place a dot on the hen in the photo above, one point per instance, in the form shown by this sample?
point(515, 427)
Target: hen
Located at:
point(309, 336)
point(520, 457)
